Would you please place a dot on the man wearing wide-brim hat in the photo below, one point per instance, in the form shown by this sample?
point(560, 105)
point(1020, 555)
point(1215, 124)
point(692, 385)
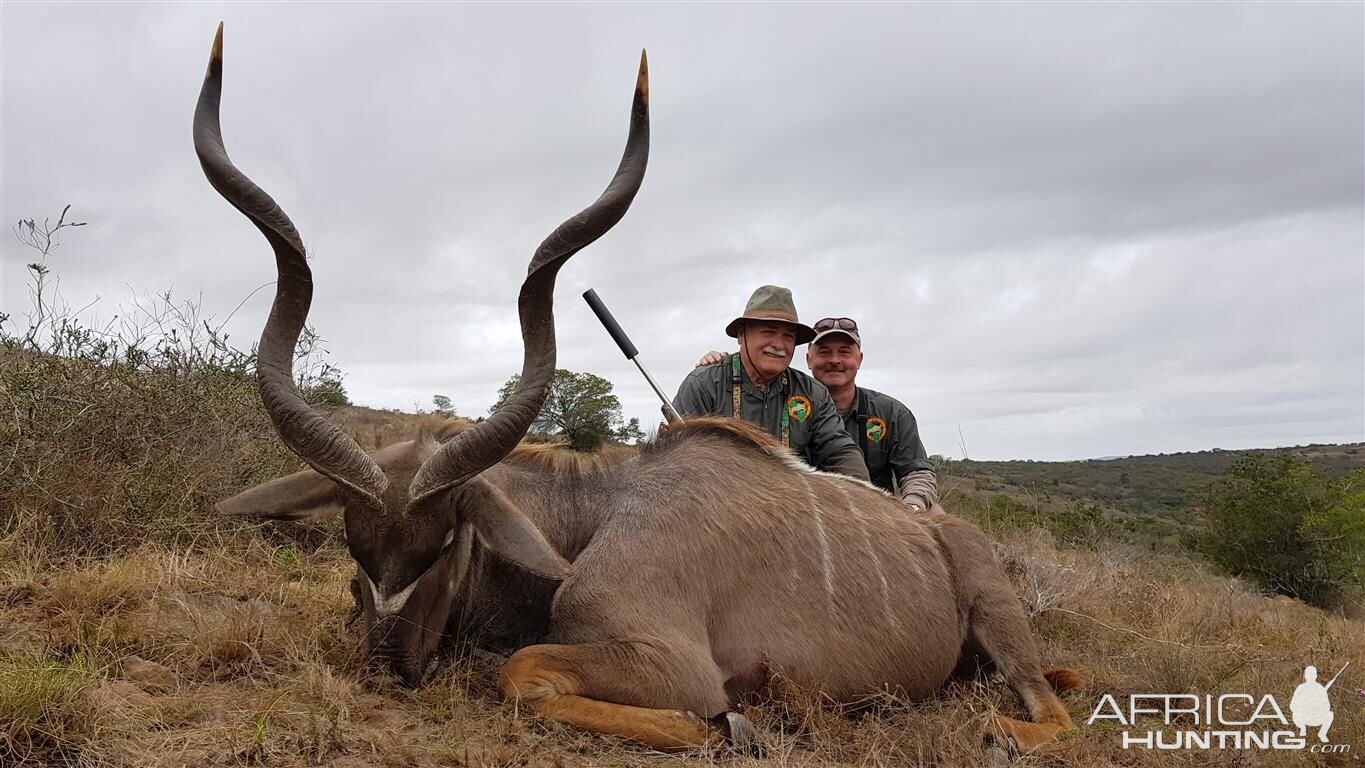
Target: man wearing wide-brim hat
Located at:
point(757, 384)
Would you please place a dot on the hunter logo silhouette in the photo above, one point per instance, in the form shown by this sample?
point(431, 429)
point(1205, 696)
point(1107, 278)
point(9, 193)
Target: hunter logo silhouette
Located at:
point(1310, 706)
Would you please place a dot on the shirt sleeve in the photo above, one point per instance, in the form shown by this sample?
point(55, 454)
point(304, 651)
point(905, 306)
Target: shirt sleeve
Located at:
point(919, 487)
point(915, 476)
point(831, 448)
point(694, 397)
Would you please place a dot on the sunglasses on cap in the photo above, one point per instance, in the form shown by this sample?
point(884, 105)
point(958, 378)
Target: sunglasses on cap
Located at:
point(842, 323)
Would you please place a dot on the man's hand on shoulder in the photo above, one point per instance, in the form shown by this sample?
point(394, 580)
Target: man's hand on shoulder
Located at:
point(711, 358)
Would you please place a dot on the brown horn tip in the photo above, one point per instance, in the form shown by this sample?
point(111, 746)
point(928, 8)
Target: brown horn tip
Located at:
point(323, 446)
point(642, 82)
point(215, 68)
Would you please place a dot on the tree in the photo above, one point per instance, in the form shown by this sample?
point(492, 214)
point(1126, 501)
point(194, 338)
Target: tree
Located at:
point(443, 406)
point(1276, 522)
point(630, 433)
point(580, 406)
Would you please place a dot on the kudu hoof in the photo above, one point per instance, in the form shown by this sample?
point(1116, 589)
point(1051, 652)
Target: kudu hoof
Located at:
point(740, 734)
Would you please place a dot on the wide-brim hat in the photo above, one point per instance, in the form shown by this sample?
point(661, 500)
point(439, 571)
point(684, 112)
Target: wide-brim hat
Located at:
point(772, 304)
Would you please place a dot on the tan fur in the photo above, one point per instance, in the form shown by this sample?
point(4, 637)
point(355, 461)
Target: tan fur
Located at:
point(556, 458)
point(699, 569)
point(741, 431)
point(757, 566)
point(548, 678)
point(748, 433)
point(553, 456)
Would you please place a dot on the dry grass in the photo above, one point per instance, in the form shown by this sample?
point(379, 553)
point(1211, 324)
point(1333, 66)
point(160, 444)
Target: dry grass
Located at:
point(240, 657)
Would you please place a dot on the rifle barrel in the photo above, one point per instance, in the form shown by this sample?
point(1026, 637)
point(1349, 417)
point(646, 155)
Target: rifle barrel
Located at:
point(628, 349)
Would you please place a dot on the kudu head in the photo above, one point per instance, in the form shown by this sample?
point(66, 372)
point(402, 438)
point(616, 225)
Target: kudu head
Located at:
point(412, 511)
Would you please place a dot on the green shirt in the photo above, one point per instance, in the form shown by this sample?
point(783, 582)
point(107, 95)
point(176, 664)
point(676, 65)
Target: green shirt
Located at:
point(817, 433)
point(893, 445)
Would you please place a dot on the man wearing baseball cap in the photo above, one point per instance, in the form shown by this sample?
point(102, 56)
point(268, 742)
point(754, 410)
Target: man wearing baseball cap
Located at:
point(757, 384)
point(883, 426)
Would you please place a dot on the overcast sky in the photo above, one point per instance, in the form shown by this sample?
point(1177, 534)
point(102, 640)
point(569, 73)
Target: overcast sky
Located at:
point(1067, 231)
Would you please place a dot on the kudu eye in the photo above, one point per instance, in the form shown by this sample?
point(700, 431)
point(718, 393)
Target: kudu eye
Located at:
point(428, 558)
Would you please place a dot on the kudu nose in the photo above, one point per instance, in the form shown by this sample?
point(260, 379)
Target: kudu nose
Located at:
point(391, 655)
point(404, 673)
point(396, 669)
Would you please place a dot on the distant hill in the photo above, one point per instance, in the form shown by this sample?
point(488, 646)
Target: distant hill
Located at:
point(1153, 496)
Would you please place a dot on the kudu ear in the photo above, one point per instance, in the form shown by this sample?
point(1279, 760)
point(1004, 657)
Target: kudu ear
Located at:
point(304, 495)
point(509, 533)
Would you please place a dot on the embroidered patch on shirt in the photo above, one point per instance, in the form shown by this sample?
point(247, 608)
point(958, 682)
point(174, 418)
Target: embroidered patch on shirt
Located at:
point(799, 407)
point(876, 429)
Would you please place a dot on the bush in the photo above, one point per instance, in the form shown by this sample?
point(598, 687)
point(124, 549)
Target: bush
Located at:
point(102, 455)
point(1275, 522)
point(1077, 525)
point(116, 435)
point(325, 393)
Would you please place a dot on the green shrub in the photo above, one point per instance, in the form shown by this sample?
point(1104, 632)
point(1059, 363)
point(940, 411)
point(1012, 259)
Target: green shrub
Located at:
point(99, 456)
point(1079, 524)
point(1274, 521)
point(114, 436)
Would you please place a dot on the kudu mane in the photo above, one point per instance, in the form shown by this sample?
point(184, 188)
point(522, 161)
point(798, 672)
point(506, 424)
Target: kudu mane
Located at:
point(552, 457)
point(556, 458)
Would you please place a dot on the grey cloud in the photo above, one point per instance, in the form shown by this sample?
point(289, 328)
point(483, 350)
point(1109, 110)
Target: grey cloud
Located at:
point(1069, 229)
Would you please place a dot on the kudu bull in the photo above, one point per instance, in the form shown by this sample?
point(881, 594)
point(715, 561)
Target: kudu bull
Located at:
point(661, 590)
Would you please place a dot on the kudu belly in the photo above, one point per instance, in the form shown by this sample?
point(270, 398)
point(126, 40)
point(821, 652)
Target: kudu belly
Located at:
point(851, 636)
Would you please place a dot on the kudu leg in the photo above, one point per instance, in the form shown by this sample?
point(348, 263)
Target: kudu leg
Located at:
point(1000, 628)
point(621, 688)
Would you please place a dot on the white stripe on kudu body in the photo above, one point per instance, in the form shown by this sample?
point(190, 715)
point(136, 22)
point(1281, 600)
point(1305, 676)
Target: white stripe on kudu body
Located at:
point(826, 558)
point(876, 561)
